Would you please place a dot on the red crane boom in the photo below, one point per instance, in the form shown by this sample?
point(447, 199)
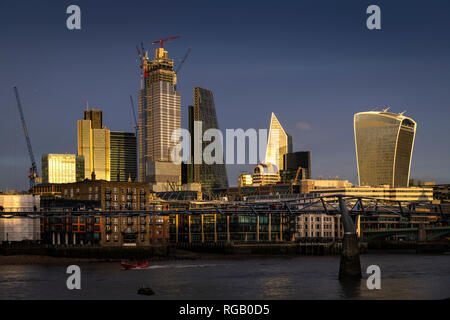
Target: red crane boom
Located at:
point(161, 41)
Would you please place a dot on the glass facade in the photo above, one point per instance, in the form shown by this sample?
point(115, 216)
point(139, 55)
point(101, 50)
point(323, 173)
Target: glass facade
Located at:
point(208, 175)
point(384, 143)
point(62, 168)
point(279, 143)
point(123, 156)
point(94, 145)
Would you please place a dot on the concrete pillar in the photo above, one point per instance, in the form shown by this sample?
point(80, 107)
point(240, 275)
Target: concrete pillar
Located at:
point(257, 228)
point(350, 267)
point(66, 236)
point(270, 227)
point(189, 224)
point(215, 228)
point(421, 233)
point(203, 233)
point(53, 238)
point(74, 238)
point(176, 228)
point(281, 227)
point(228, 229)
point(58, 237)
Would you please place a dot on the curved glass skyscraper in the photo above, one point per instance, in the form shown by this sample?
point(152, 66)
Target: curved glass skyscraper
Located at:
point(384, 143)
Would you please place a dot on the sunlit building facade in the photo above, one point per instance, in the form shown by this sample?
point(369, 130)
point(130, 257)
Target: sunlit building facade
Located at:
point(278, 144)
point(94, 145)
point(245, 180)
point(19, 228)
point(159, 118)
point(62, 168)
point(384, 143)
point(265, 174)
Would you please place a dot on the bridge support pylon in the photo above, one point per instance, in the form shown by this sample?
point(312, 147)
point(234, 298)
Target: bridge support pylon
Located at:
point(350, 267)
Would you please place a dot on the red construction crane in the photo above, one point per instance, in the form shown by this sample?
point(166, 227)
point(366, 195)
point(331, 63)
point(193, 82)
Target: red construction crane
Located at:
point(160, 41)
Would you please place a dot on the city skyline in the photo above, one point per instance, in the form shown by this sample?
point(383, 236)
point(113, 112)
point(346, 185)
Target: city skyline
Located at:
point(319, 94)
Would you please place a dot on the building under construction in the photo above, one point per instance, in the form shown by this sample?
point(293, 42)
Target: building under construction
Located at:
point(159, 118)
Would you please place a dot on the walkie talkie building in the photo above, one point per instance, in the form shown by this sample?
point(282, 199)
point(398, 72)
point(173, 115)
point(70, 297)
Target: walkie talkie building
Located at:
point(384, 143)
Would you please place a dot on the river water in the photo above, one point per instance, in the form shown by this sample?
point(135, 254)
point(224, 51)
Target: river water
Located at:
point(405, 276)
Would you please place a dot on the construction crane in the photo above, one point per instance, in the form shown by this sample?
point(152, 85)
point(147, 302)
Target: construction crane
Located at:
point(182, 61)
point(136, 127)
point(161, 41)
point(296, 176)
point(33, 173)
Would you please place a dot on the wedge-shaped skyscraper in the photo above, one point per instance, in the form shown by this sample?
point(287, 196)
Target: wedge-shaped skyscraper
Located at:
point(278, 144)
point(384, 144)
point(208, 175)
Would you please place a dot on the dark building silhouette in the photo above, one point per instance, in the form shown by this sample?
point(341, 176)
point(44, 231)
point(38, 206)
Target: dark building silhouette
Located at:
point(123, 156)
point(213, 175)
point(96, 118)
point(292, 162)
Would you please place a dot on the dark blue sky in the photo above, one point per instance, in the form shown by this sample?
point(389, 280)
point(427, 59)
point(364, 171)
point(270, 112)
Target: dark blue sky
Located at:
point(313, 63)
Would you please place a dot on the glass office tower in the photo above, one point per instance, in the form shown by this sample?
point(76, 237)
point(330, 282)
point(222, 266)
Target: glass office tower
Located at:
point(279, 143)
point(62, 168)
point(93, 145)
point(384, 144)
point(123, 156)
point(208, 175)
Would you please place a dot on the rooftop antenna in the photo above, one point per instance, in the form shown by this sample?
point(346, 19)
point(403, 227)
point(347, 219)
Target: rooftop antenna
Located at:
point(402, 113)
point(385, 110)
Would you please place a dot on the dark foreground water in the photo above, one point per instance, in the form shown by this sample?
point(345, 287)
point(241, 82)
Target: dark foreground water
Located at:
point(402, 277)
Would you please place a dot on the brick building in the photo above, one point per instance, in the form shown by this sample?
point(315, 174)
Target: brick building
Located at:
point(112, 195)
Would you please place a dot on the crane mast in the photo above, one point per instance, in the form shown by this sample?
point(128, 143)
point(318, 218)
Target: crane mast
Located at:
point(33, 173)
point(136, 126)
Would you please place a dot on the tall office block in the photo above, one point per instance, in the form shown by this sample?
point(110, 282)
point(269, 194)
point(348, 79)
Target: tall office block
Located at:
point(123, 156)
point(94, 145)
point(384, 144)
point(62, 168)
point(294, 162)
point(279, 143)
point(208, 175)
point(159, 118)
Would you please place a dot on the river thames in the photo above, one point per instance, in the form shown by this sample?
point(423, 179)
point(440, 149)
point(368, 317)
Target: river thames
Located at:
point(403, 276)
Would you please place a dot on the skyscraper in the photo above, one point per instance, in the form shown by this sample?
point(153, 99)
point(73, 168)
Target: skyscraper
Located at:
point(62, 168)
point(279, 143)
point(292, 162)
point(123, 156)
point(159, 117)
point(384, 144)
point(208, 175)
point(93, 145)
